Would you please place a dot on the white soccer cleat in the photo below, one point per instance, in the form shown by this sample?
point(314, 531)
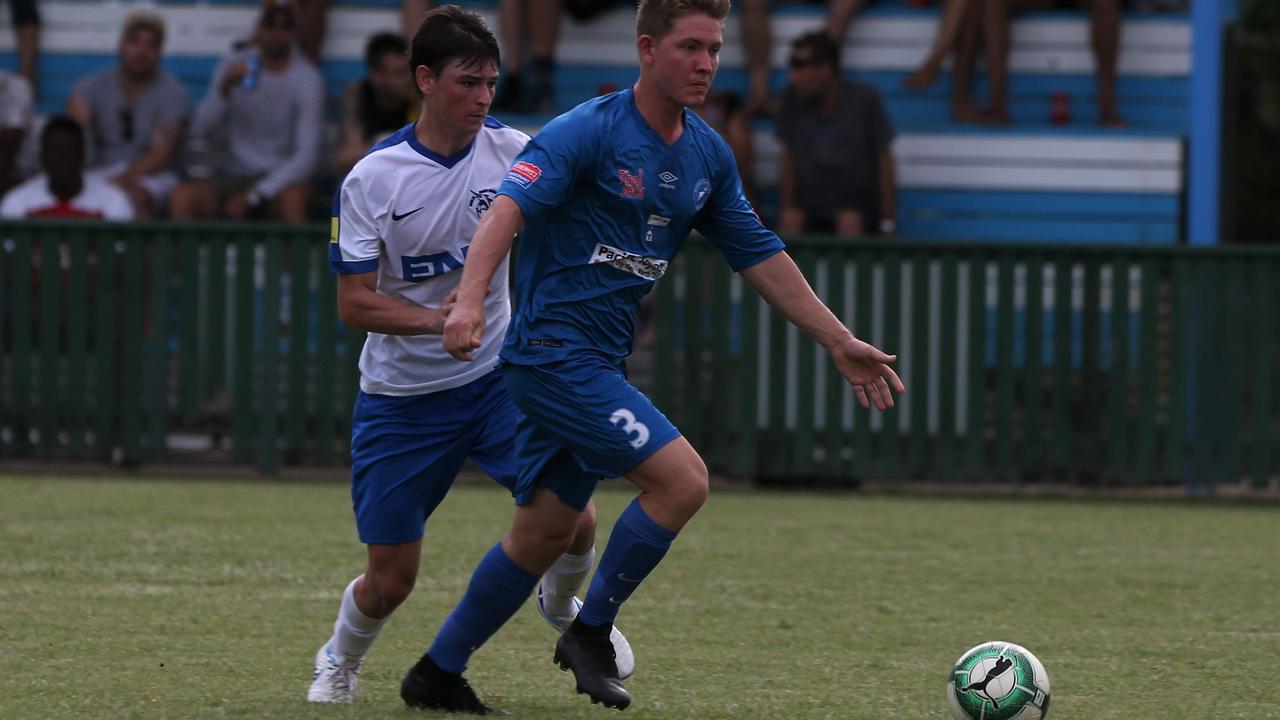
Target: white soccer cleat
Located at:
point(622, 654)
point(334, 680)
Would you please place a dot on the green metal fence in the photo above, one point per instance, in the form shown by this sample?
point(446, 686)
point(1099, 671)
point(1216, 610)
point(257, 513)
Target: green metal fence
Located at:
point(1126, 365)
point(115, 337)
point(1130, 365)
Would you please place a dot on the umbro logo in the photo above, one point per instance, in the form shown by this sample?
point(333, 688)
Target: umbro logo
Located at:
point(668, 180)
point(398, 217)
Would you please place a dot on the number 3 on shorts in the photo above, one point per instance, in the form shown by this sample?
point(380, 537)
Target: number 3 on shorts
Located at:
point(627, 420)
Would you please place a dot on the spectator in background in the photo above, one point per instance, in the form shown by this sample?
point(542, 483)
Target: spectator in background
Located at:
point(412, 13)
point(134, 115)
point(26, 27)
point(270, 101)
point(378, 105)
point(527, 85)
point(311, 17)
point(836, 173)
point(757, 44)
point(1104, 35)
point(15, 123)
point(727, 115)
point(63, 190)
point(956, 15)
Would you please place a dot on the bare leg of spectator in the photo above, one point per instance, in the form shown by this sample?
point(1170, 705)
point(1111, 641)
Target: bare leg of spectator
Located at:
point(28, 51)
point(963, 108)
point(791, 222)
point(544, 29)
point(140, 199)
point(954, 13)
point(995, 34)
point(311, 27)
point(840, 14)
point(511, 17)
point(849, 223)
point(411, 14)
point(1105, 34)
point(291, 205)
point(195, 200)
point(757, 43)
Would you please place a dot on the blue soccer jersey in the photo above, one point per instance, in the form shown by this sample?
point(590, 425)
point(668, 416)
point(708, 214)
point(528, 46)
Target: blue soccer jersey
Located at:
point(607, 203)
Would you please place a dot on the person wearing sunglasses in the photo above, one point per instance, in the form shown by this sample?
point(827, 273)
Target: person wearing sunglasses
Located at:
point(836, 172)
point(133, 115)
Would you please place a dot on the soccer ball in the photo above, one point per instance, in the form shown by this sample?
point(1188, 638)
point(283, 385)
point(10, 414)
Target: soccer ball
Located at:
point(998, 681)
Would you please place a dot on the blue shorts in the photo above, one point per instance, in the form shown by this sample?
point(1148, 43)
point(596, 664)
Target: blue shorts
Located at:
point(406, 452)
point(582, 422)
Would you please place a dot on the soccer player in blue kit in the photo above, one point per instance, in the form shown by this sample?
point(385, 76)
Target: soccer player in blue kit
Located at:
point(403, 222)
point(607, 193)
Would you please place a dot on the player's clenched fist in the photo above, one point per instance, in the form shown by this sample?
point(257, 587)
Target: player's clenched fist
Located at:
point(463, 329)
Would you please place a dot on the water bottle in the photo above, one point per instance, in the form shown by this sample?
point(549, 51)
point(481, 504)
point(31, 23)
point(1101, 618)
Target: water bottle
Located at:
point(250, 80)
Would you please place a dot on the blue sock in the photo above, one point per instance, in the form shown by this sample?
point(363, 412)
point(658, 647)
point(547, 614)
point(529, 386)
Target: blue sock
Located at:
point(635, 547)
point(498, 588)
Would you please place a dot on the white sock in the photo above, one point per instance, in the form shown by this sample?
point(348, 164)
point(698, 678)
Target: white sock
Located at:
point(354, 631)
point(564, 579)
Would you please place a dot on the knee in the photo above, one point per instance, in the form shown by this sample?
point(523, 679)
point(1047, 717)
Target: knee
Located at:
point(293, 204)
point(691, 491)
point(584, 531)
point(386, 590)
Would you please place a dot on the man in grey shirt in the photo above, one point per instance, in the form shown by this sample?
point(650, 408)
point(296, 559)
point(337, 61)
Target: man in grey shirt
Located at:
point(269, 100)
point(836, 173)
point(133, 116)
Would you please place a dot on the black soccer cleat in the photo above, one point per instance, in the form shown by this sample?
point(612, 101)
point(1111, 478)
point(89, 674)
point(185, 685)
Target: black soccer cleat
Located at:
point(426, 686)
point(586, 651)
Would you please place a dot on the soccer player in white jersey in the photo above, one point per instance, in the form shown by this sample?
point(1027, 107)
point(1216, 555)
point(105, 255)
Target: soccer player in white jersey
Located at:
point(403, 220)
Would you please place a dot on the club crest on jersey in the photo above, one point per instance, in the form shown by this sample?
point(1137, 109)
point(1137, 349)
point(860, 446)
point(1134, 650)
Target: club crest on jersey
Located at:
point(700, 192)
point(524, 173)
point(481, 200)
point(632, 185)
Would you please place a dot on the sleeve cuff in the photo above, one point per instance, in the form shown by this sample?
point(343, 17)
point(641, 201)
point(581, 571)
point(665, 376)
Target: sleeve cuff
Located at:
point(758, 258)
point(353, 267)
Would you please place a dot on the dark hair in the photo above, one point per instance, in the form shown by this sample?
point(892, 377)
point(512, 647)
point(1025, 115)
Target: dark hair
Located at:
point(381, 45)
point(655, 17)
point(273, 13)
point(819, 47)
point(62, 123)
point(450, 33)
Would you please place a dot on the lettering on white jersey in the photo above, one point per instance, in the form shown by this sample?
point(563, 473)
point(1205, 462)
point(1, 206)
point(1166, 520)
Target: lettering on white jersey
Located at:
point(420, 267)
point(646, 267)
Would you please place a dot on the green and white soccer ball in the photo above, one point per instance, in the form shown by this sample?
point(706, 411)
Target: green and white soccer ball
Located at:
point(998, 681)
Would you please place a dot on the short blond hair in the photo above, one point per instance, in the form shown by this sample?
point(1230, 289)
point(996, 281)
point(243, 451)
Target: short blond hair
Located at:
point(655, 17)
point(144, 20)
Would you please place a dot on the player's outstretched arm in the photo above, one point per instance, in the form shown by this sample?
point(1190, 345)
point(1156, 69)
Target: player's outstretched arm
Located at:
point(464, 327)
point(361, 308)
point(867, 369)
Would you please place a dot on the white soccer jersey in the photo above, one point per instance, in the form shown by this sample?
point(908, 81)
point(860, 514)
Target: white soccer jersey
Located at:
point(409, 214)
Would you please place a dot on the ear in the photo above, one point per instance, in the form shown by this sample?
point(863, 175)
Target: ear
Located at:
point(425, 79)
point(646, 46)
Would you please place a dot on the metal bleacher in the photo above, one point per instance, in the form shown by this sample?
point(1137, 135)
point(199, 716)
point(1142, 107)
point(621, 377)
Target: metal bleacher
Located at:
point(1032, 181)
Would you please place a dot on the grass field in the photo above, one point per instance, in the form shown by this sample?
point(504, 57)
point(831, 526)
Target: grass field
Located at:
point(184, 599)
